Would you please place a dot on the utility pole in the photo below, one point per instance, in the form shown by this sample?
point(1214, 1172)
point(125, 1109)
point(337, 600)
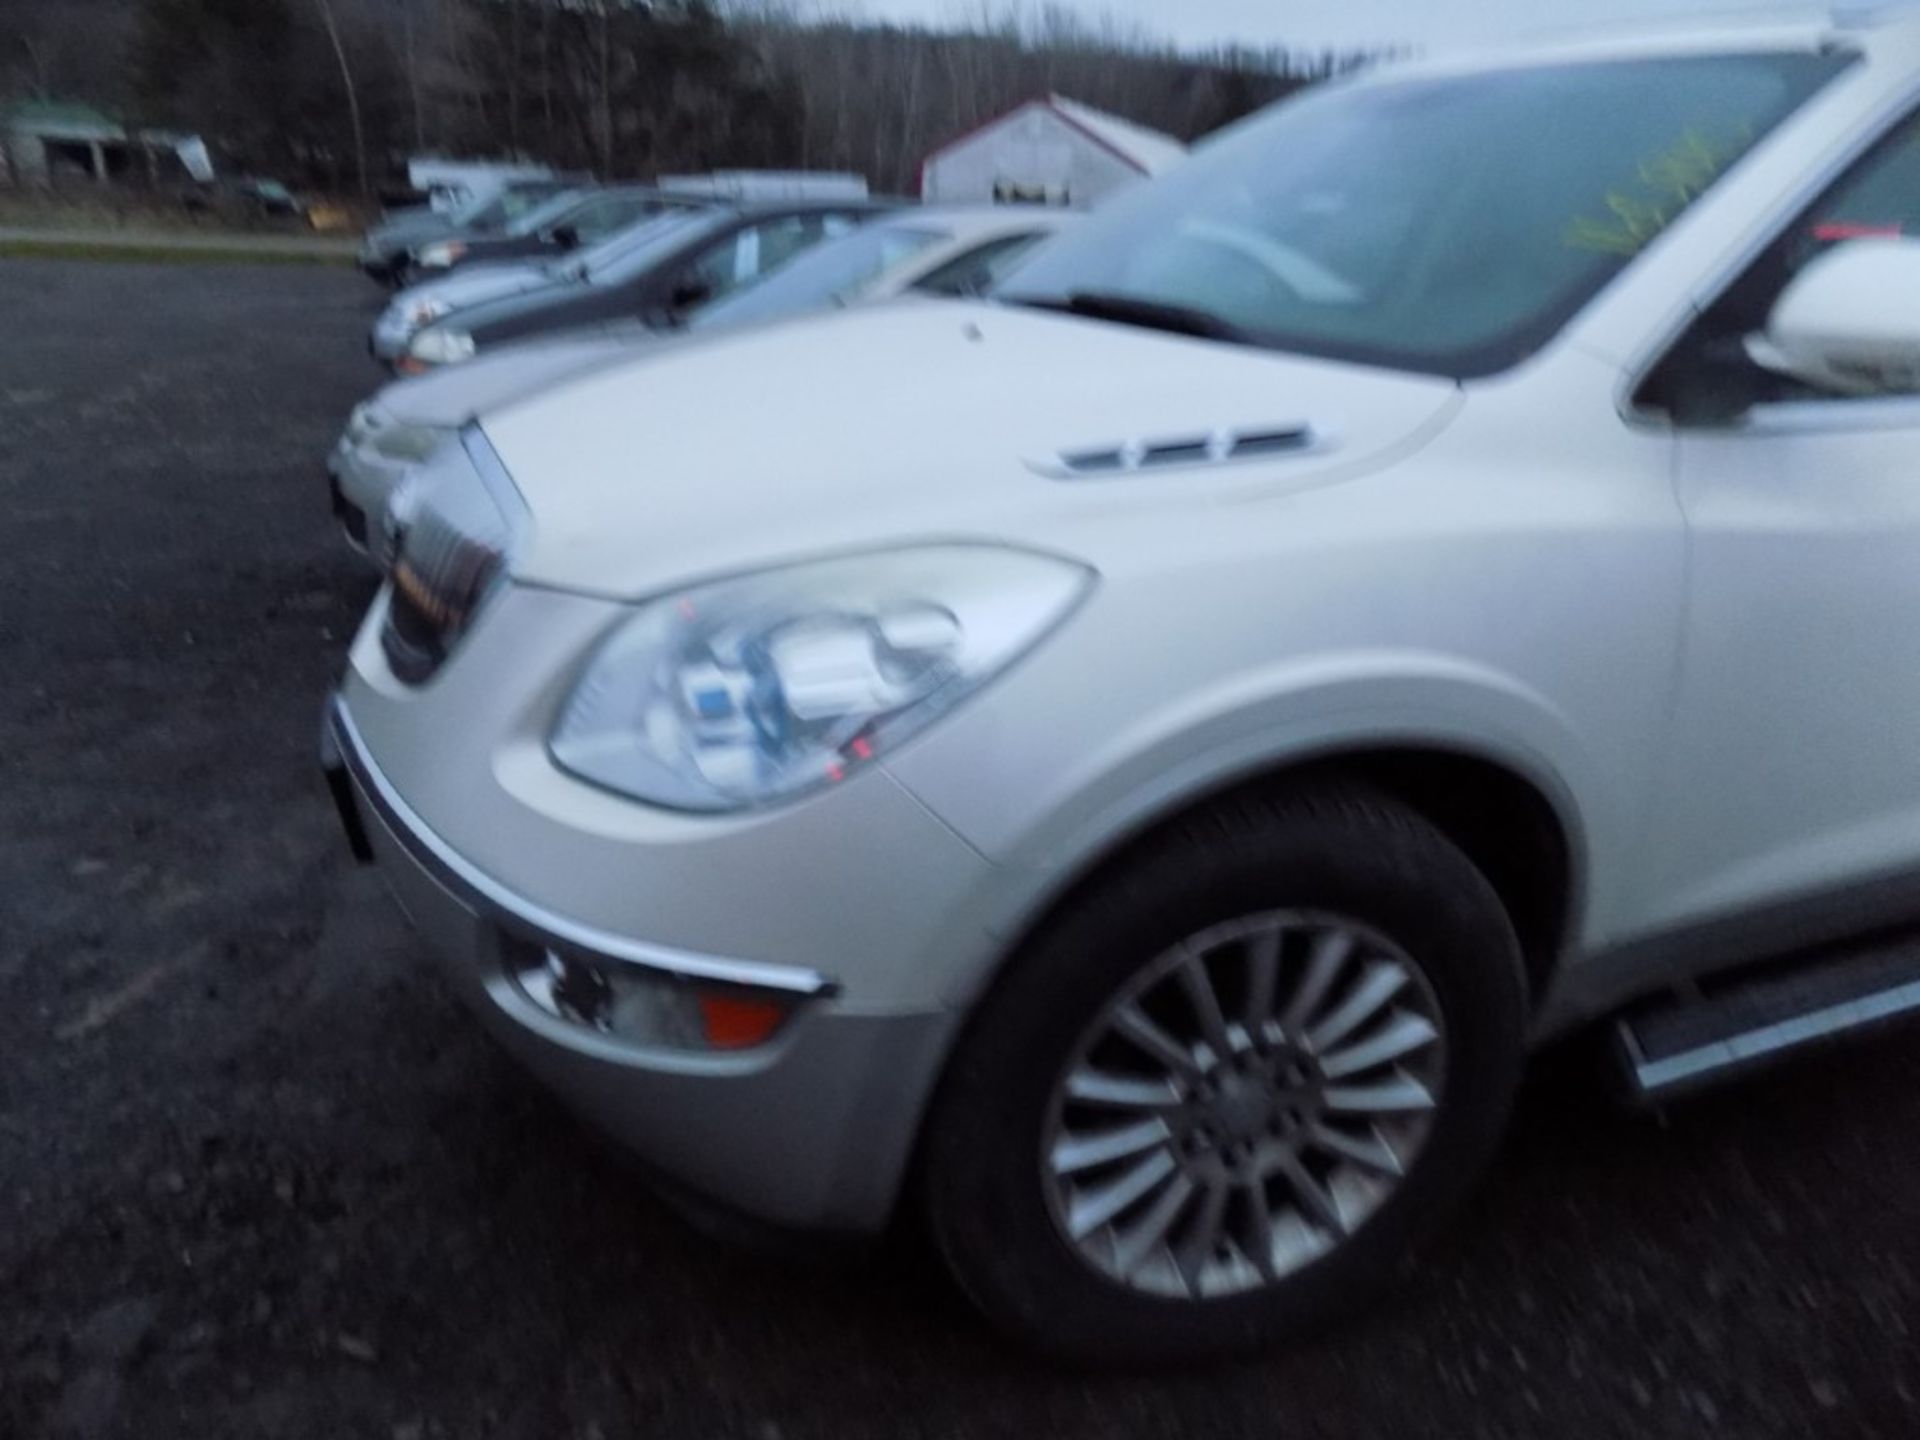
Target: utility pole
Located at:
point(413, 78)
point(353, 92)
point(606, 91)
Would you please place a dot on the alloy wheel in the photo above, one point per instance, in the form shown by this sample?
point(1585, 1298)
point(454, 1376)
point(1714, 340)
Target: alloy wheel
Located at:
point(1243, 1104)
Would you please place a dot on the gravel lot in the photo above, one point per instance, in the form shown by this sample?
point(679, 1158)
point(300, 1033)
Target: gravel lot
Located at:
point(259, 1176)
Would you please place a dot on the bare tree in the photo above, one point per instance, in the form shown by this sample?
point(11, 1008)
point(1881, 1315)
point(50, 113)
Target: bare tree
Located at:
point(516, 69)
point(879, 98)
point(628, 87)
point(606, 89)
point(36, 67)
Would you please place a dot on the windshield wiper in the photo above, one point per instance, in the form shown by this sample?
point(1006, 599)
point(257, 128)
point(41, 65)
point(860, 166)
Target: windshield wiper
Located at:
point(1132, 310)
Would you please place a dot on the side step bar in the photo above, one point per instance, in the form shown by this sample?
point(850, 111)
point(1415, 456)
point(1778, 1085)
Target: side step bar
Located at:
point(1683, 1042)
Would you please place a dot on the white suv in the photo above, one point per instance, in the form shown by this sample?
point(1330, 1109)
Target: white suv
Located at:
point(1131, 766)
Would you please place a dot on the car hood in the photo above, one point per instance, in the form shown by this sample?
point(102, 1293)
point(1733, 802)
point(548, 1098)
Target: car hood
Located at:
point(447, 398)
point(917, 420)
point(547, 308)
point(478, 284)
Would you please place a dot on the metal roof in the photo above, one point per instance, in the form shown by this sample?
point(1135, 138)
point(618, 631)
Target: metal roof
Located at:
point(61, 119)
point(1151, 150)
point(1147, 151)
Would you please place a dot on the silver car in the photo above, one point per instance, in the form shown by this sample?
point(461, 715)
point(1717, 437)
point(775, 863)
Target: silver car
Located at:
point(950, 251)
point(1130, 768)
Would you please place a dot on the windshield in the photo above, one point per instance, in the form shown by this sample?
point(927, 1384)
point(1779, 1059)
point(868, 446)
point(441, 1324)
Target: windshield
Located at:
point(1449, 225)
point(495, 211)
point(480, 212)
point(822, 276)
point(638, 248)
point(546, 213)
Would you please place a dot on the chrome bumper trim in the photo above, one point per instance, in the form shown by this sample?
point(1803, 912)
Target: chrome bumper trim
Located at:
point(343, 746)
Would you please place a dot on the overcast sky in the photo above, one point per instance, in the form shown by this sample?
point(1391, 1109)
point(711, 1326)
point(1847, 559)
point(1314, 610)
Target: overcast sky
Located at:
point(1319, 23)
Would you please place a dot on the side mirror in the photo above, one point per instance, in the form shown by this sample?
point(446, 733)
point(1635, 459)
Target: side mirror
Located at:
point(566, 237)
point(1850, 321)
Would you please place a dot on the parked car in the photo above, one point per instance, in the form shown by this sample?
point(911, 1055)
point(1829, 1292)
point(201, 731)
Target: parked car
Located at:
point(949, 252)
point(385, 247)
point(243, 200)
point(446, 185)
point(273, 199)
point(1133, 766)
point(946, 250)
point(390, 435)
point(417, 306)
point(568, 221)
point(658, 276)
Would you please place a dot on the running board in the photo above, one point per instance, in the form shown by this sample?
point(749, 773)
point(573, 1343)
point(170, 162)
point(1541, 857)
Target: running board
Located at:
point(1683, 1042)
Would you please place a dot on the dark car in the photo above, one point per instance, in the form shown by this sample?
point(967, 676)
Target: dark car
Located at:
point(658, 273)
point(386, 246)
point(244, 201)
point(271, 199)
point(568, 221)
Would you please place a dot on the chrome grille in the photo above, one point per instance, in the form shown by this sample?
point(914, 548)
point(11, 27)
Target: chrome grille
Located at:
point(448, 540)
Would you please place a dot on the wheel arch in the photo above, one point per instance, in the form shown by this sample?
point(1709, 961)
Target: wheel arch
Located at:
point(1513, 819)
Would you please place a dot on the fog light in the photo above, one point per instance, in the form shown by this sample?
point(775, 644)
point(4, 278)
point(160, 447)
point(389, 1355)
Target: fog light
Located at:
point(731, 1023)
point(643, 1007)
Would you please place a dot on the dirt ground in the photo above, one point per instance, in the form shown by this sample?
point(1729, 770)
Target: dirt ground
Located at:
point(260, 1177)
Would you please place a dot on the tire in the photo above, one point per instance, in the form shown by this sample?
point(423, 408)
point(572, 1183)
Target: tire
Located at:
point(1309, 867)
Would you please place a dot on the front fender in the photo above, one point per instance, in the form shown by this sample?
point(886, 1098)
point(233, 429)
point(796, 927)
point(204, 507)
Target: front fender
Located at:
point(1044, 838)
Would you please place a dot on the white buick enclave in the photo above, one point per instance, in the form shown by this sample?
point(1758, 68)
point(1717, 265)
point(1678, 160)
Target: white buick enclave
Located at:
point(1130, 767)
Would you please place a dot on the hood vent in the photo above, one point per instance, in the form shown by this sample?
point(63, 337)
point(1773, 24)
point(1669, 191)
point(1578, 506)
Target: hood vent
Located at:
point(1216, 448)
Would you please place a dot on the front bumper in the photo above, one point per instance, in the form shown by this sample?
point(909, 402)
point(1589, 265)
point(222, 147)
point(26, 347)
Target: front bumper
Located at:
point(813, 1129)
point(378, 265)
point(352, 519)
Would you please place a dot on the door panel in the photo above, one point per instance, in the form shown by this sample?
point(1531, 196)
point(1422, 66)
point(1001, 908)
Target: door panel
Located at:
point(1794, 760)
point(1793, 765)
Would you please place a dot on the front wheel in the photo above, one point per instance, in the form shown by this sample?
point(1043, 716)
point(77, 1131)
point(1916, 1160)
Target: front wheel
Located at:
point(1226, 1093)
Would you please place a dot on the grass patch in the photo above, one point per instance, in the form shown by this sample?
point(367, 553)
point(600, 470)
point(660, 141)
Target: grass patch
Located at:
point(63, 249)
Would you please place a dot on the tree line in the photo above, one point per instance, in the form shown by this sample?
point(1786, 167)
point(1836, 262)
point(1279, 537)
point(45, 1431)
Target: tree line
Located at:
point(336, 93)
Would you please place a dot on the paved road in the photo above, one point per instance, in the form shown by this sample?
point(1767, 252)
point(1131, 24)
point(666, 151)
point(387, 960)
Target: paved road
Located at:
point(318, 247)
point(260, 1177)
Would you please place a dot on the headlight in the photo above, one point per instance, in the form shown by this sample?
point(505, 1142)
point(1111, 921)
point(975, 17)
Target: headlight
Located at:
point(442, 254)
point(424, 311)
point(409, 444)
point(442, 347)
point(364, 420)
point(751, 691)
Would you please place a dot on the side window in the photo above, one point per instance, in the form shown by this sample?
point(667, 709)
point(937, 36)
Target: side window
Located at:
point(1881, 197)
point(1708, 377)
point(746, 255)
point(602, 218)
point(975, 271)
point(781, 240)
point(516, 203)
point(717, 271)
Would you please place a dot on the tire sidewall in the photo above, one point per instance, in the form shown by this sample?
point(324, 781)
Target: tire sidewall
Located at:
point(986, 1198)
